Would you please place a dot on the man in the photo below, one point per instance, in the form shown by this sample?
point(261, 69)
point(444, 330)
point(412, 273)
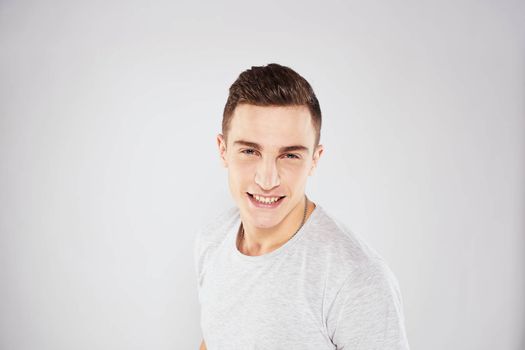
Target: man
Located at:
point(276, 271)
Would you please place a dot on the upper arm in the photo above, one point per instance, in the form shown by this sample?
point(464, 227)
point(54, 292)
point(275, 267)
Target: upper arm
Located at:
point(367, 312)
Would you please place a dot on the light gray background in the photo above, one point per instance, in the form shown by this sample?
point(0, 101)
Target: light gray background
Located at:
point(109, 112)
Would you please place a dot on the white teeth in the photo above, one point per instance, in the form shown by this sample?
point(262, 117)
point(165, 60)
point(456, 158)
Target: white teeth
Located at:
point(265, 199)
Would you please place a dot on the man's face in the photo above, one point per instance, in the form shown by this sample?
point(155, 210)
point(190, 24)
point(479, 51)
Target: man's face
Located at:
point(269, 153)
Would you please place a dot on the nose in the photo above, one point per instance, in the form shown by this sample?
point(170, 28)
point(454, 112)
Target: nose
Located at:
point(267, 175)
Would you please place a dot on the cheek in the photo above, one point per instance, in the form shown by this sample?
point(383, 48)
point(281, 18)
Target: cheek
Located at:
point(297, 172)
point(241, 172)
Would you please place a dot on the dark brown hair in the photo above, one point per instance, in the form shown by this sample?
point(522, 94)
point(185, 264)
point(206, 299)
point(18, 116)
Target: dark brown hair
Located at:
point(272, 85)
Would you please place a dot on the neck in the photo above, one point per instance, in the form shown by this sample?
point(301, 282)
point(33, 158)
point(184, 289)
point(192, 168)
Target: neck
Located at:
point(258, 241)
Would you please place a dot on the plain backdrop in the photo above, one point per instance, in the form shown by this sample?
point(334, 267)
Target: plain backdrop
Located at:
point(108, 117)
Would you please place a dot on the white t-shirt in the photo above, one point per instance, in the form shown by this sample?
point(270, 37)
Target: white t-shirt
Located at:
point(323, 289)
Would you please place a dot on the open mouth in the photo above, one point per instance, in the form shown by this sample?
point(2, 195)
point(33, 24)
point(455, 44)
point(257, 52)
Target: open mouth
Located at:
point(265, 201)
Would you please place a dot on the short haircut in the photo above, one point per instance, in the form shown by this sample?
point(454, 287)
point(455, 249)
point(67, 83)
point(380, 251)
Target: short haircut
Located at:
point(272, 85)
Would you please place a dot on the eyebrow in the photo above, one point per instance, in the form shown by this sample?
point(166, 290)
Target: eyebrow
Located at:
point(282, 149)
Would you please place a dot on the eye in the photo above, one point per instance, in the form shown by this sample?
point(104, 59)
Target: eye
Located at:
point(291, 156)
point(249, 151)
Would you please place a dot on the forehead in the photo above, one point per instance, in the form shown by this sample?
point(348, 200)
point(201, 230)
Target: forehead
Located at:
point(272, 126)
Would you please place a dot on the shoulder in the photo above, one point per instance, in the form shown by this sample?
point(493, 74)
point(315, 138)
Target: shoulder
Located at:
point(211, 234)
point(339, 246)
point(349, 264)
point(363, 295)
point(217, 228)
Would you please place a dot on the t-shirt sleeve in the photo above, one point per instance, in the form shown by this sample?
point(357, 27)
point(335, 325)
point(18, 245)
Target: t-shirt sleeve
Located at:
point(197, 258)
point(208, 238)
point(202, 250)
point(367, 312)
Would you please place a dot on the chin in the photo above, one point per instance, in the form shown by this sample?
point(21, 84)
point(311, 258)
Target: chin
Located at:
point(264, 221)
point(265, 224)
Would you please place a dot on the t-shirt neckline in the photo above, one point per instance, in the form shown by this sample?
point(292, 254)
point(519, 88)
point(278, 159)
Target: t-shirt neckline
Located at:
point(268, 256)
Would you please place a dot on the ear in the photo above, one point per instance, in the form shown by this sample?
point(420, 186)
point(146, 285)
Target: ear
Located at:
point(317, 154)
point(221, 143)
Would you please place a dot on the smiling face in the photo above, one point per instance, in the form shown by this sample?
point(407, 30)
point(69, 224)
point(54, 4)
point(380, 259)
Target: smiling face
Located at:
point(269, 155)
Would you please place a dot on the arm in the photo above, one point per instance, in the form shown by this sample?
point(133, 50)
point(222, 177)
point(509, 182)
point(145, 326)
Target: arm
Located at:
point(203, 345)
point(367, 313)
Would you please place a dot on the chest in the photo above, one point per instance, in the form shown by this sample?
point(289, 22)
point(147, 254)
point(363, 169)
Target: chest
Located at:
point(272, 304)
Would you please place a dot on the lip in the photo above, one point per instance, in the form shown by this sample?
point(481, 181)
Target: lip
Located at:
point(260, 205)
point(266, 195)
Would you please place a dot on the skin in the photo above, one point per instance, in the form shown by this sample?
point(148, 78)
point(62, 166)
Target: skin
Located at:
point(269, 169)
